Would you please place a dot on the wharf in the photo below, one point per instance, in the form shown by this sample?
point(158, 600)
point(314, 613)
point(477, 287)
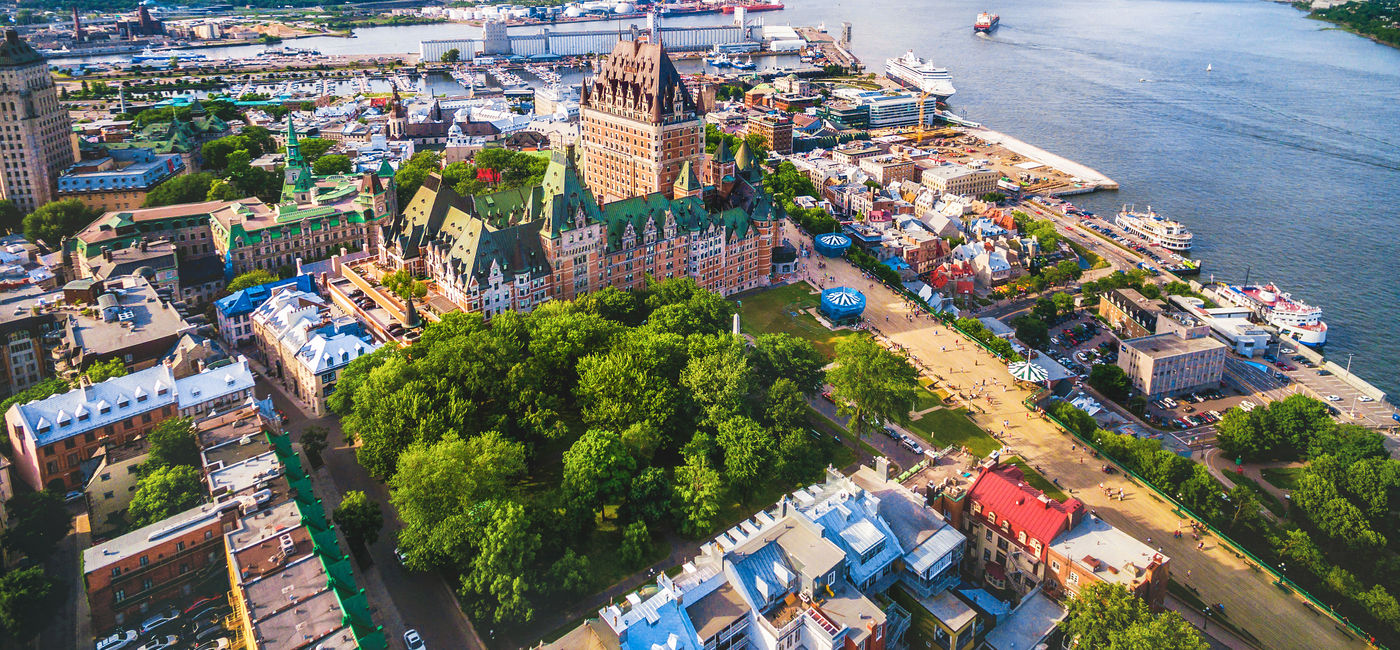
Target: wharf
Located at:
point(1090, 178)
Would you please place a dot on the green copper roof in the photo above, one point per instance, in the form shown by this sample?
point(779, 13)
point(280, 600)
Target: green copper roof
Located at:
point(687, 182)
point(15, 52)
point(722, 152)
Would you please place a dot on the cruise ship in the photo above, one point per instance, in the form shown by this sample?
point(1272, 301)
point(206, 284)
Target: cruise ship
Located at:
point(1158, 230)
point(182, 56)
point(1292, 317)
point(920, 75)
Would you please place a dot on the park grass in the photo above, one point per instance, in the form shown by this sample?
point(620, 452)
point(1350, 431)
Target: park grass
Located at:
point(947, 426)
point(771, 311)
point(1037, 481)
point(925, 399)
point(1283, 478)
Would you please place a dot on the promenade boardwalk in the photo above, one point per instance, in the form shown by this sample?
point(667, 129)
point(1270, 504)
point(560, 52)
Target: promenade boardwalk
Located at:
point(1277, 619)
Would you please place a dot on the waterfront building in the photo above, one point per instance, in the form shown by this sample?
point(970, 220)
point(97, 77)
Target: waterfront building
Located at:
point(36, 143)
point(673, 211)
point(1180, 358)
point(952, 178)
point(141, 24)
point(120, 180)
point(303, 346)
point(1130, 312)
point(54, 438)
point(776, 129)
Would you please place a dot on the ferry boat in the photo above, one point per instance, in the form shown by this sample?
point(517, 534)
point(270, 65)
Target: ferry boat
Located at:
point(720, 61)
point(920, 75)
point(149, 54)
point(986, 22)
point(1292, 317)
point(1158, 230)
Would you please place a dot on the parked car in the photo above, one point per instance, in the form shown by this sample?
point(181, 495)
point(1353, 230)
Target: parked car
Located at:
point(75, 495)
point(912, 446)
point(117, 641)
point(169, 641)
point(1334, 398)
point(203, 603)
point(1367, 398)
point(413, 641)
point(217, 644)
point(158, 621)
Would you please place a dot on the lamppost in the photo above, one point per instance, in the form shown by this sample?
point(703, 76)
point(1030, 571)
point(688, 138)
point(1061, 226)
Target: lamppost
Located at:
point(1205, 618)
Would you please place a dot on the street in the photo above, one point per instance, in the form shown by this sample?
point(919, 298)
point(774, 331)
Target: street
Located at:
point(421, 601)
point(1278, 619)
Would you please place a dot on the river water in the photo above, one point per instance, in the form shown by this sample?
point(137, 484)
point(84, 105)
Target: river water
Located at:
point(1284, 159)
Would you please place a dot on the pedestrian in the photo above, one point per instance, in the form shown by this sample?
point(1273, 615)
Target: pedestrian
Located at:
point(1201, 546)
point(1188, 573)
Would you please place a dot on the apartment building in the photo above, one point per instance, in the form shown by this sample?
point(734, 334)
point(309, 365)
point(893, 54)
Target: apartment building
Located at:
point(1129, 312)
point(36, 143)
point(1180, 360)
point(127, 576)
point(952, 178)
point(303, 346)
point(776, 129)
point(125, 318)
point(888, 169)
point(113, 483)
point(119, 180)
point(234, 311)
point(800, 574)
point(53, 439)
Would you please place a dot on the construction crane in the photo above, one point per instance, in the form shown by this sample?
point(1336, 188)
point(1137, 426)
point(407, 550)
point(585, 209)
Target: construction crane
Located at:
point(920, 132)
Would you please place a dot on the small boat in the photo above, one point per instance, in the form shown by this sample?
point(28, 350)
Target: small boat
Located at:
point(1208, 67)
point(986, 22)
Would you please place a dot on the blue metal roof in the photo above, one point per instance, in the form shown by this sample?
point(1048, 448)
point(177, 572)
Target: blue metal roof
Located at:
point(245, 301)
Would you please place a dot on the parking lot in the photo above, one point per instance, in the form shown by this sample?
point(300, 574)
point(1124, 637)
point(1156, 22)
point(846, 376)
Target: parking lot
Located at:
point(1348, 401)
point(196, 622)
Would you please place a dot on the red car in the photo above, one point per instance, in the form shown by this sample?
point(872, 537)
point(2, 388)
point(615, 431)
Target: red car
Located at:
point(201, 603)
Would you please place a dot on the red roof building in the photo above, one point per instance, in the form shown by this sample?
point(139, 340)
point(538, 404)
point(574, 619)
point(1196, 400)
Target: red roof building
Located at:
point(1012, 524)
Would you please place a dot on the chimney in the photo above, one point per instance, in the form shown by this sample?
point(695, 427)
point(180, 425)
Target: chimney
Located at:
point(882, 468)
point(107, 254)
point(298, 266)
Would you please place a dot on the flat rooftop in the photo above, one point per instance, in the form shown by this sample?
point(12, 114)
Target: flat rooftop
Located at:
point(1160, 346)
point(948, 608)
point(848, 607)
point(97, 557)
point(1111, 554)
point(150, 319)
point(266, 556)
point(1027, 625)
point(298, 610)
point(247, 475)
point(717, 610)
point(280, 518)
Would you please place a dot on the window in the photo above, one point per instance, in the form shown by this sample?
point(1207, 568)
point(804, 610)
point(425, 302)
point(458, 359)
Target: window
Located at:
point(120, 595)
point(145, 560)
point(1055, 566)
point(179, 546)
point(116, 571)
point(1073, 578)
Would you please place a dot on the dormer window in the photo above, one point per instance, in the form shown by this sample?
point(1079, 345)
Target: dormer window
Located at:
point(1021, 537)
point(123, 402)
point(103, 407)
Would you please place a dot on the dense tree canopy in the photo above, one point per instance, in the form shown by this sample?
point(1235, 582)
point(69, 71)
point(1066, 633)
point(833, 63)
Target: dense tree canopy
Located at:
point(1104, 615)
point(37, 521)
point(331, 164)
point(163, 492)
point(28, 599)
point(172, 442)
point(871, 384)
point(185, 188)
point(359, 517)
point(53, 221)
point(251, 279)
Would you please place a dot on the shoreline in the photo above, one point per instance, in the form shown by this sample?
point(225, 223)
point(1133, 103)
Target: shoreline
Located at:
point(1092, 178)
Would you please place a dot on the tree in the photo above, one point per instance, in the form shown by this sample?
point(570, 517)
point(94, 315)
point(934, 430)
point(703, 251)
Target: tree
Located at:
point(1064, 303)
point(871, 384)
point(451, 56)
point(173, 442)
point(697, 493)
point(102, 371)
point(251, 279)
point(649, 496)
point(331, 164)
point(164, 492)
point(784, 356)
point(439, 487)
point(636, 544)
point(313, 440)
point(11, 217)
point(37, 521)
point(719, 382)
point(1166, 631)
point(504, 565)
point(28, 601)
point(53, 221)
point(785, 408)
point(360, 518)
point(1110, 380)
point(597, 469)
point(570, 574)
point(44, 389)
point(1045, 309)
point(1032, 331)
point(314, 149)
point(185, 188)
point(404, 285)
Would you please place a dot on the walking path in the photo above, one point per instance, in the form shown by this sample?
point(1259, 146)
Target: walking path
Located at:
point(1279, 620)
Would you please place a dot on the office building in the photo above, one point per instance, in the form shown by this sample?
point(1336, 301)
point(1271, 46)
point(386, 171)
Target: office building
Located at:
point(1180, 360)
point(952, 178)
point(887, 169)
point(119, 180)
point(36, 143)
point(775, 128)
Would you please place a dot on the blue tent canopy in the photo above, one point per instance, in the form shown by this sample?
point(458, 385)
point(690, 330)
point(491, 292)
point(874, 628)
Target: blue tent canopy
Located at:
point(842, 303)
point(833, 244)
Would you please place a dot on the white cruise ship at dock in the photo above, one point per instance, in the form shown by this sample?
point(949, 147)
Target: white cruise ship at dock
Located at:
point(920, 75)
point(1292, 317)
point(1159, 230)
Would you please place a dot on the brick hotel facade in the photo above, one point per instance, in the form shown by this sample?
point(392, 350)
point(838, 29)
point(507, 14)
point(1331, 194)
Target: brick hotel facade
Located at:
point(668, 209)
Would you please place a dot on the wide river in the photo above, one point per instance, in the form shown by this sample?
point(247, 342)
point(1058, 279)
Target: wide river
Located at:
point(1284, 159)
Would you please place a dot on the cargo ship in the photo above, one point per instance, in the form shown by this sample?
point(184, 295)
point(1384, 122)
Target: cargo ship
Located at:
point(986, 22)
point(1292, 317)
point(757, 6)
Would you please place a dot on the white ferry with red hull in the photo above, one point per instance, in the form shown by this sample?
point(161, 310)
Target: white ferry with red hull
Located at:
point(986, 22)
point(1292, 317)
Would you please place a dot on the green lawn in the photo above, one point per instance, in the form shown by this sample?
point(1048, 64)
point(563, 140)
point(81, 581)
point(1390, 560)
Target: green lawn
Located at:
point(951, 426)
point(1037, 481)
point(925, 399)
point(1284, 478)
point(770, 311)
